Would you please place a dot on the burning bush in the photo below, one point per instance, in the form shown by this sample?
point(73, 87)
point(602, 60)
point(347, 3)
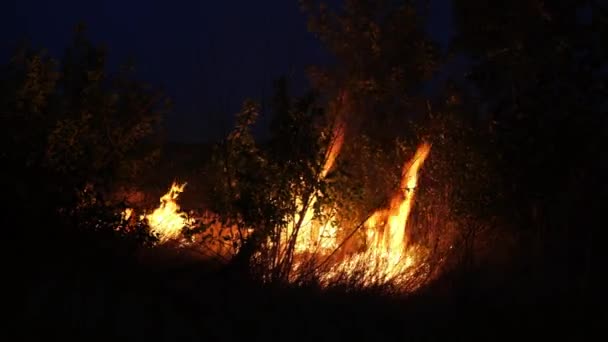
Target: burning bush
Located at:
point(283, 211)
point(319, 203)
point(278, 191)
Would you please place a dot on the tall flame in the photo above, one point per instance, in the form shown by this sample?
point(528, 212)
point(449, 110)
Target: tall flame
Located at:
point(317, 236)
point(394, 219)
point(387, 255)
point(335, 145)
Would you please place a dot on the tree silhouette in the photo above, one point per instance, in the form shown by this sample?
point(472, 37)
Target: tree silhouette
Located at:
point(539, 68)
point(69, 123)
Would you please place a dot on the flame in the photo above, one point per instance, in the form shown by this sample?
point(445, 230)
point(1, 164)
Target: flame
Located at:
point(314, 236)
point(126, 214)
point(387, 255)
point(335, 145)
point(167, 221)
point(392, 221)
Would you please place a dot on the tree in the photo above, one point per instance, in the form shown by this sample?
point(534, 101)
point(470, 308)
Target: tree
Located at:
point(539, 67)
point(382, 58)
point(265, 189)
point(69, 123)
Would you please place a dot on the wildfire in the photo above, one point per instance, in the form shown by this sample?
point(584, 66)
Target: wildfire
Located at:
point(387, 254)
point(314, 236)
point(389, 225)
point(335, 146)
point(166, 221)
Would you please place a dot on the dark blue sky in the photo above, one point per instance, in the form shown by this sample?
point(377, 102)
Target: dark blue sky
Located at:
point(207, 55)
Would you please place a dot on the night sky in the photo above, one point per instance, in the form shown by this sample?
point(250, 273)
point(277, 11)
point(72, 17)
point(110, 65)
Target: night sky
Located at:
point(208, 56)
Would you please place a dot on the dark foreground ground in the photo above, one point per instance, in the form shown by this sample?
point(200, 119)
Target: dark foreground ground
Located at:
point(78, 287)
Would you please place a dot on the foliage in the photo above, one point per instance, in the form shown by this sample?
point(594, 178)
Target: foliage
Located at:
point(93, 215)
point(540, 69)
point(541, 79)
point(72, 123)
point(382, 58)
point(257, 185)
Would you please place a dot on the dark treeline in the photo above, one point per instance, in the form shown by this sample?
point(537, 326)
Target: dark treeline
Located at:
point(516, 152)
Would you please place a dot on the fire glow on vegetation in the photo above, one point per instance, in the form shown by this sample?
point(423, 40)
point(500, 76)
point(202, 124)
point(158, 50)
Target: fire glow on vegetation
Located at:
point(388, 254)
point(386, 228)
point(313, 236)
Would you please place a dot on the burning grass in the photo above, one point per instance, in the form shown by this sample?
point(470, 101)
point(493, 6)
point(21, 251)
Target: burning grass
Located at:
point(316, 240)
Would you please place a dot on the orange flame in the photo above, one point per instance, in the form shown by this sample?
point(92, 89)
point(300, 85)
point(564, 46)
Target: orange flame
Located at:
point(166, 221)
point(312, 236)
point(393, 220)
point(387, 255)
point(335, 145)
